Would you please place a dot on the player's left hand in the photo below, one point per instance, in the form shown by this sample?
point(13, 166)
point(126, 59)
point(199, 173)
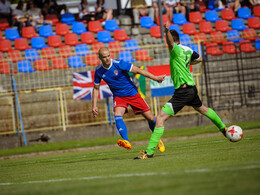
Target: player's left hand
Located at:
point(160, 78)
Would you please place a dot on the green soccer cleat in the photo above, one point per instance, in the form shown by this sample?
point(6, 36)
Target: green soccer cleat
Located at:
point(124, 144)
point(161, 146)
point(143, 155)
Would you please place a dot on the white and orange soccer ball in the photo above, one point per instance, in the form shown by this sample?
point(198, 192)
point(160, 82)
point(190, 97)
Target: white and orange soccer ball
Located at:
point(234, 133)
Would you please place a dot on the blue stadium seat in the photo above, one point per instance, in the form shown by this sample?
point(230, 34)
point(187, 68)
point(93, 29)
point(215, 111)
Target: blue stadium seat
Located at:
point(67, 18)
point(238, 24)
point(111, 25)
point(78, 28)
point(126, 56)
point(179, 19)
point(211, 4)
point(31, 54)
point(38, 42)
point(244, 12)
point(131, 45)
point(45, 31)
point(12, 34)
point(257, 44)
point(233, 34)
point(185, 39)
point(211, 16)
point(146, 22)
point(104, 36)
point(76, 61)
point(194, 47)
point(25, 66)
point(175, 27)
point(82, 49)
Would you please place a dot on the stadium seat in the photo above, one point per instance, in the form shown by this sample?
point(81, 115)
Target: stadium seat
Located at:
point(28, 32)
point(25, 66)
point(52, 18)
point(189, 28)
point(55, 41)
point(146, 22)
point(228, 14)
point(213, 49)
point(111, 25)
point(233, 36)
point(5, 45)
point(205, 27)
point(175, 27)
point(211, 16)
point(67, 18)
point(4, 24)
point(195, 47)
point(257, 11)
point(58, 62)
point(202, 6)
point(244, 12)
point(92, 60)
point(94, 26)
point(185, 39)
point(45, 31)
point(211, 4)
point(257, 44)
point(131, 45)
point(216, 37)
point(238, 24)
point(195, 17)
point(82, 49)
point(254, 22)
point(120, 35)
point(1, 56)
point(88, 38)
point(78, 28)
point(165, 18)
point(65, 51)
point(126, 56)
point(115, 46)
point(179, 19)
point(249, 34)
point(5, 68)
point(104, 36)
point(31, 54)
point(142, 55)
point(222, 25)
point(200, 37)
point(21, 44)
point(246, 46)
point(229, 47)
point(62, 29)
point(96, 46)
point(1, 37)
point(12, 34)
point(38, 42)
point(41, 65)
point(71, 39)
point(155, 31)
point(14, 55)
point(48, 52)
point(75, 62)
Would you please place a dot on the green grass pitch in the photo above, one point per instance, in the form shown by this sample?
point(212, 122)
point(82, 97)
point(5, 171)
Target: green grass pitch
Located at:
point(206, 165)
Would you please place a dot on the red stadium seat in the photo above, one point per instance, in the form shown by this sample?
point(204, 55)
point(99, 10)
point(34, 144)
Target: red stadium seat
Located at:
point(41, 65)
point(228, 14)
point(216, 37)
point(200, 37)
point(189, 28)
point(52, 18)
point(5, 68)
point(21, 44)
point(202, 5)
point(59, 63)
point(155, 31)
point(246, 46)
point(205, 27)
point(195, 17)
point(165, 18)
point(62, 29)
point(65, 51)
point(4, 24)
point(55, 41)
point(5, 45)
point(142, 55)
point(120, 35)
point(254, 22)
point(222, 25)
point(88, 38)
point(14, 55)
point(257, 11)
point(250, 34)
point(96, 46)
point(115, 46)
point(213, 49)
point(28, 32)
point(94, 26)
point(229, 47)
point(48, 52)
point(92, 60)
point(71, 39)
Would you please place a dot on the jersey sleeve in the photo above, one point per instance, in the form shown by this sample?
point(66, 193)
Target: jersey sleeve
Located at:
point(175, 51)
point(125, 66)
point(194, 56)
point(97, 78)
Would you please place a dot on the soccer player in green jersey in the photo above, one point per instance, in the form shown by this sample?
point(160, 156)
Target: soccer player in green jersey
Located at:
point(185, 90)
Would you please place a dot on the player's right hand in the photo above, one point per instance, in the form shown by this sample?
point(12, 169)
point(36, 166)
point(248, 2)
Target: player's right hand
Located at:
point(95, 111)
point(167, 26)
point(161, 78)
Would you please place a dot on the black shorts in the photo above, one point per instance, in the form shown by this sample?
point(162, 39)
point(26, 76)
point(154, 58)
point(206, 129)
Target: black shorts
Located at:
point(185, 97)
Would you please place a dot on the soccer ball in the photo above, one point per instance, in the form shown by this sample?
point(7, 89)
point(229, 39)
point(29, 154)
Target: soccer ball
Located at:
point(234, 133)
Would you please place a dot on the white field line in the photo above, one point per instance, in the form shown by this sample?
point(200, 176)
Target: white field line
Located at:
point(135, 175)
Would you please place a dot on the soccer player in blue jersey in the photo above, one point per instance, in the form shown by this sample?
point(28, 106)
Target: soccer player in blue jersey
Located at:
point(115, 74)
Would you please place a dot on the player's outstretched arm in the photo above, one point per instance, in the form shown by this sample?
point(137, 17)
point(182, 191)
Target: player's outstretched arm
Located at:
point(169, 39)
point(147, 74)
point(94, 100)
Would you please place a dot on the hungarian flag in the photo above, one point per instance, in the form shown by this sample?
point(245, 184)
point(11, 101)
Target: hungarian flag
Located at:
point(83, 83)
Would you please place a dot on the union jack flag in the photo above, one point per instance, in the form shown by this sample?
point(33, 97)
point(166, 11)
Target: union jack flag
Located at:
point(83, 83)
